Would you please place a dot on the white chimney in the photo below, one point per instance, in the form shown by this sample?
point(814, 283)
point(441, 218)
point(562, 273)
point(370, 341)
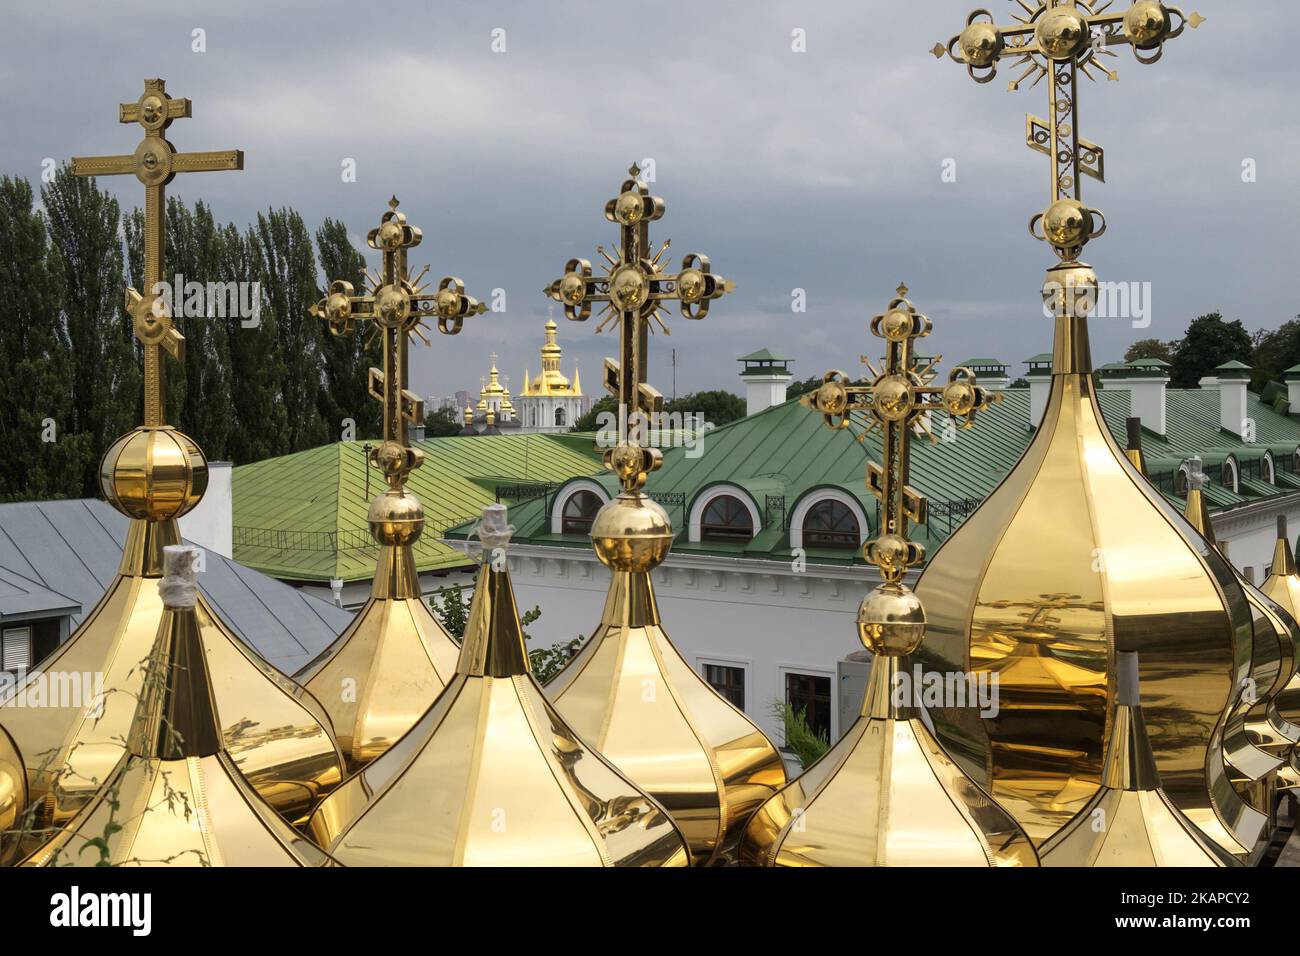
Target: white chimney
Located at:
point(1292, 376)
point(211, 524)
point(1146, 380)
point(766, 376)
point(1233, 379)
point(1040, 386)
point(991, 373)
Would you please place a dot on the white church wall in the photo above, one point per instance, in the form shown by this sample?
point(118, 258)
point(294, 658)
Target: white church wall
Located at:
point(759, 615)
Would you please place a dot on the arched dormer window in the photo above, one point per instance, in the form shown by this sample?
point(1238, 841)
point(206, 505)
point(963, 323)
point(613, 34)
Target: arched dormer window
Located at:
point(726, 518)
point(831, 524)
point(579, 511)
point(1266, 468)
point(1180, 482)
point(574, 507)
point(1231, 476)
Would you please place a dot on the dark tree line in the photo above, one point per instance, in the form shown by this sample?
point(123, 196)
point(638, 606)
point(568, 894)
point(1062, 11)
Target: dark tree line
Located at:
point(70, 372)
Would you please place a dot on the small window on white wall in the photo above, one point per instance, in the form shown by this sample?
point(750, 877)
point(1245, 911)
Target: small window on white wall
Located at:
point(728, 680)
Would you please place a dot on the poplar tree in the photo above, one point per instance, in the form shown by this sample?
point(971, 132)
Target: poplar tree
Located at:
point(344, 394)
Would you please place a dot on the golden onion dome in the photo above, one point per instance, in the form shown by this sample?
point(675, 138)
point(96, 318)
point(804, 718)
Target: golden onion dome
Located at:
point(279, 736)
point(886, 794)
point(1073, 558)
point(1142, 826)
point(684, 745)
point(178, 796)
point(491, 774)
point(1283, 586)
point(395, 657)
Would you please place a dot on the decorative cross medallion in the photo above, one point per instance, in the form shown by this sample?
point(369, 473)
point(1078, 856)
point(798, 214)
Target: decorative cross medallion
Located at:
point(155, 163)
point(898, 400)
point(1061, 39)
point(398, 305)
point(633, 291)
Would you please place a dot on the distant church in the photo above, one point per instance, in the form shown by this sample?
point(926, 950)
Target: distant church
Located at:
point(548, 403)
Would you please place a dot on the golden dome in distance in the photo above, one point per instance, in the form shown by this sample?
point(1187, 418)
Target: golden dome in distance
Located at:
point(551, 381)
point(491, 774)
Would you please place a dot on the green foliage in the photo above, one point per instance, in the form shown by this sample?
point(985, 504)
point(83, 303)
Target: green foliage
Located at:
point(1152, 349)
point(443, 422)
point(796, 389)
point(347, 359)
point(546, 662)
point(1210, 341)
point(717, 406)
point(588, 422)
point(1276, 350)
point(800, 738)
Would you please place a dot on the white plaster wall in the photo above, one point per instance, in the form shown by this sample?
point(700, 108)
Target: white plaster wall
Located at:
point(1251, 535)
point(760, 615)
point(211, 524)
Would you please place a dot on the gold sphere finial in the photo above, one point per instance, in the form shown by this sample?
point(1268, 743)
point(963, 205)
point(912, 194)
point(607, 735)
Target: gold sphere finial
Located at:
point(891, 620)
point(631, 533)
point(396, 517)
point(1062, 33)
point(153, 473)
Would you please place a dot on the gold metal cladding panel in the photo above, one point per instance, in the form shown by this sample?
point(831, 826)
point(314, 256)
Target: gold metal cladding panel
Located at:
point(280, 743)
point(381, 674)
point(1142, 830)
point(837, 813)
point(630, 693)
point(491, 776)
point(1069, 559)
point(13, 784)
point(196, 811)
point(1285, 590)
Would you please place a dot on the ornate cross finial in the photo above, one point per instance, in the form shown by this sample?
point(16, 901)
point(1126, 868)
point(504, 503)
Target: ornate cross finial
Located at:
point(898, 401)
point(633, 291)
point(1059, 39)
point(155, 163)
point(398, 305)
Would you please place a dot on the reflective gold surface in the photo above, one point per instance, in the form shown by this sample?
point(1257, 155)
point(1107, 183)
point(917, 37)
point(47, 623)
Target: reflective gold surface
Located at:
point(1283, 586)
point(277, 735)
point(1130, 820)
point(1074, 557)
point(628, 692)
point(177, 797)
point(887, 794)
point(491, 774)
point(395, 657)
point(13, 786)
point(281, 743)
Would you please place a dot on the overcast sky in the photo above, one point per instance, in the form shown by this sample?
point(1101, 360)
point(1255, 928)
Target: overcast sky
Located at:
point(819, 170)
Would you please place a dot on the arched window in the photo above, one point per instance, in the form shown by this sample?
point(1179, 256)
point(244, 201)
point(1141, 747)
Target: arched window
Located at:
point(830, 524)
point(1266, 468)
point(726, 518)
point(559, 416)
point(579, 512)
point(1230, 474)
point(1180, 483)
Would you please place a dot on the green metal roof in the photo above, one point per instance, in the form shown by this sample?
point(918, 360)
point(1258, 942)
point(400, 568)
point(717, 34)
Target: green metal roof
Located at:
point(764, 355)
point(780, 454)
point(302, 517)
point(1148, 363)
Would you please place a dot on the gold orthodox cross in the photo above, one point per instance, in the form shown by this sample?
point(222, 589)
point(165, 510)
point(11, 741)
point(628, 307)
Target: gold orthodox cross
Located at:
point(398, 305)
point(155, 163)
point(898, 400)
point(1060, 39)
point(633, 291)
